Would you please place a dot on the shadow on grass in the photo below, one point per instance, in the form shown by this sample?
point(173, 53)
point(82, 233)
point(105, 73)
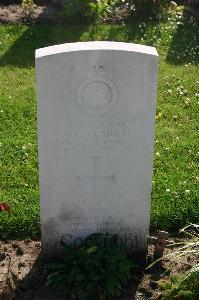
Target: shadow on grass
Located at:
point(184, 47)
point(22, 52)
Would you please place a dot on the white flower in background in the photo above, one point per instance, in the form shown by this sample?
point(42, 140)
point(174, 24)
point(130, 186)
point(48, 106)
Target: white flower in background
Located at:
point(168, 190)
point(187, 102)
point(187, 191)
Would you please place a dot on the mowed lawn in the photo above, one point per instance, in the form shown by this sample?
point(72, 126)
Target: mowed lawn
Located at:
point(175, 194)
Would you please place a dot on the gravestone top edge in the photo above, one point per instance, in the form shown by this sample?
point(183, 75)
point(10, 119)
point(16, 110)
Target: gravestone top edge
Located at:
point(96, 45)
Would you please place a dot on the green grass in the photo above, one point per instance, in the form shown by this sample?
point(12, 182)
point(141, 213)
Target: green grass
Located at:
point(175, 199)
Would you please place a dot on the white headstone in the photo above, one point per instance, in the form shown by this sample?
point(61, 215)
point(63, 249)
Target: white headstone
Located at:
point(96, 111)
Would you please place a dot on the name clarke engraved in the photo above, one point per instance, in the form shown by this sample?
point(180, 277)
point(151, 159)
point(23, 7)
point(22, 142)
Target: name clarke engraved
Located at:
point(98, 133)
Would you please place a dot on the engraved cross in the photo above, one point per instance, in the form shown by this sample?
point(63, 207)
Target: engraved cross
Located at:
point(96, 178)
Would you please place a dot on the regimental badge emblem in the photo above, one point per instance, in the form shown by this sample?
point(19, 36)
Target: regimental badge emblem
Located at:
point(97, 95)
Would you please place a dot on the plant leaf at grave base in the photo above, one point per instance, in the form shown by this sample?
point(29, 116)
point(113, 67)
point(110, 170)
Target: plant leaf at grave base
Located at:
point(90, 271)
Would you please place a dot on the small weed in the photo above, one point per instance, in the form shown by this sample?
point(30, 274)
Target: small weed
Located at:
point(28, 8)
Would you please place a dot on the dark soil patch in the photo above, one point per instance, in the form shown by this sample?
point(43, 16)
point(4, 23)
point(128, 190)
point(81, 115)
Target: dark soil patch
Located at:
point(22, 274)
point(14, 13)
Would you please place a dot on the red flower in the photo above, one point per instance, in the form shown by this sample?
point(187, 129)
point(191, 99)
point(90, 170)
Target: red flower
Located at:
point(4, 207)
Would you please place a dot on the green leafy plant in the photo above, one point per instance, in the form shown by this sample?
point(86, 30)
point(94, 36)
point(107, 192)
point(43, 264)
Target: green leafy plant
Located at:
point(105, 7)
point(97, 269)
point(89, 9)
point(98, 9)
point(28, 8)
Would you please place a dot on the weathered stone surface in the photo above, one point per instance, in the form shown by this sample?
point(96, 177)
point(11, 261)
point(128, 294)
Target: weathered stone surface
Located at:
point(96, 111)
